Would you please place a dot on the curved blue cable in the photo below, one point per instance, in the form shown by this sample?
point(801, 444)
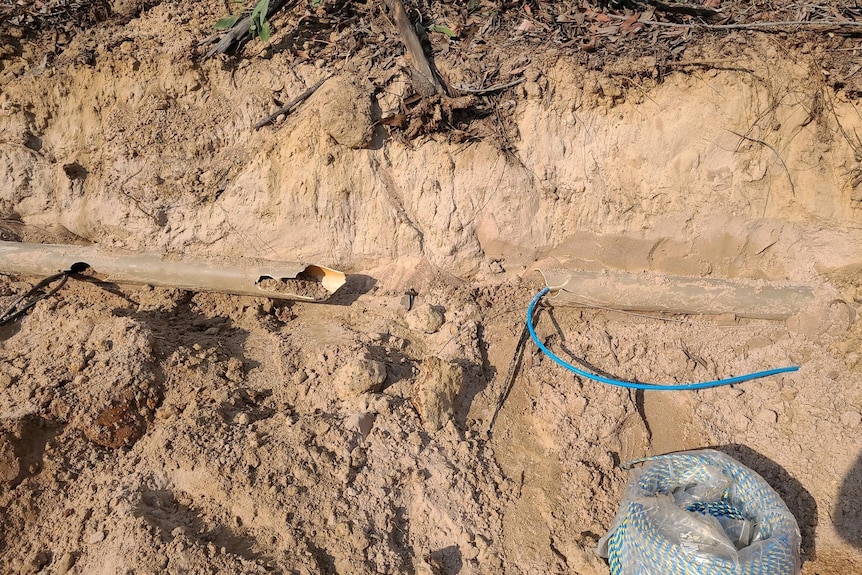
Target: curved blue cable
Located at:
point(632, 384)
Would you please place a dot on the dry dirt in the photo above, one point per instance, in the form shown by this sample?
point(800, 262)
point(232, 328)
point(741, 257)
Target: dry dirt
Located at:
point(148, 430)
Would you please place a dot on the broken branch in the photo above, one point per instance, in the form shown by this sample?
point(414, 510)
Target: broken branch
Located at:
point(287, 108)
point(684, 9)
point(422, 76)
point(496, 88)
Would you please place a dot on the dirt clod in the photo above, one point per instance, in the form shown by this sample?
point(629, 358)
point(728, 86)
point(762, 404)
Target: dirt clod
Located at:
point(359, 375)
point(436, 390)
point(10, 465)
point(345, 113)
point(426, 318)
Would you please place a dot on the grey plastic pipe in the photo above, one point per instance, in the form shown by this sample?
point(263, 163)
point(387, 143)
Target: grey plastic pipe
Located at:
point(243, 276)
point(676, 294)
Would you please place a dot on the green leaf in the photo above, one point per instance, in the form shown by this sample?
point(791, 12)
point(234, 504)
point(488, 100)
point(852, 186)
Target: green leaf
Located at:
point(226, 23)
point(316, 3)
point(259, 26)
point(442, 30)
point(263, 33)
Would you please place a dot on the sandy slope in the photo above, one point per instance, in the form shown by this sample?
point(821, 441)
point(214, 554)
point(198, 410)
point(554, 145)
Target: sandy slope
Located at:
point(152, 431)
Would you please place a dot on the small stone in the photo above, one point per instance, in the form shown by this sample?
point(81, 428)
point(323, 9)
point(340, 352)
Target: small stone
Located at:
point(740, 421)
point(178, 532)
point(426, 318)
point(167, 412)
point(533, 90)
point(234, 370)
point(767, 416)
point(40, 560)
point(358, 458)
point(253, 438)
point(10, 465)
point(64, 563)
point(77, 363)
point(851, 419)
point(97, 536)
point(242, 418)
point(211, 331)
point(361, 422)
point(124, 7)
point(469, 552)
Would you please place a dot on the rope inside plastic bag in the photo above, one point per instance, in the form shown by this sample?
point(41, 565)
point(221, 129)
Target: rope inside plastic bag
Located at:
point(668, 521)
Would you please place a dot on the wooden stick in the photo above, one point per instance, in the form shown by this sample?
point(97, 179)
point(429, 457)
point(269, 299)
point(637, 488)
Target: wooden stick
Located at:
point(796, 24)
point(495, 88)
point(287, 108)
point(684, 9)
point(423, 79)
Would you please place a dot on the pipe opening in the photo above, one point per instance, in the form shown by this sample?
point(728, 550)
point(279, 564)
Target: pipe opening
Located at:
point(79, 267)
point(306, 284)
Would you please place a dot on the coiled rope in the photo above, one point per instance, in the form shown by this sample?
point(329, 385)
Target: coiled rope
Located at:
point(653, 533)
point(633, 384)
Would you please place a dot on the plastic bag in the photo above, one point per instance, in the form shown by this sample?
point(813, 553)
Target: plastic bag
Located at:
point(701, 512)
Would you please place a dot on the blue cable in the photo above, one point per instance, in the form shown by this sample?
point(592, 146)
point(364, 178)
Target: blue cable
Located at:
point(632, 384)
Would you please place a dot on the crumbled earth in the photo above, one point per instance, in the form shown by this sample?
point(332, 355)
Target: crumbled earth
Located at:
point(153, 430)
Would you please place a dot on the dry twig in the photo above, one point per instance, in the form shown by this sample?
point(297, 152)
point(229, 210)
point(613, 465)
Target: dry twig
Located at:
point(784, 24)
point(774, 151)
point(490, 89)
point(701, 11)
point(287, 108)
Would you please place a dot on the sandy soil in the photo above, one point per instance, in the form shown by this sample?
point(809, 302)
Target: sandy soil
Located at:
point(147, 430)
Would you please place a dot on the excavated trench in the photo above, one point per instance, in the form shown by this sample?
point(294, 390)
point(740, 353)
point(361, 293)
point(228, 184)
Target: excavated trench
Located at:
point(258, 449)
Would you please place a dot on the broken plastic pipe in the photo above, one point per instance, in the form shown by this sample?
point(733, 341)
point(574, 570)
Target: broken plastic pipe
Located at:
point(242, 276)
point(676, 294)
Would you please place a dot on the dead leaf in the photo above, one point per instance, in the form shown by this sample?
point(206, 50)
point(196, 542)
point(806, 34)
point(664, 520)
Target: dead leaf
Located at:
point(606, 30)
point(629, 22)
point(395, 120)
point(589, 44)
